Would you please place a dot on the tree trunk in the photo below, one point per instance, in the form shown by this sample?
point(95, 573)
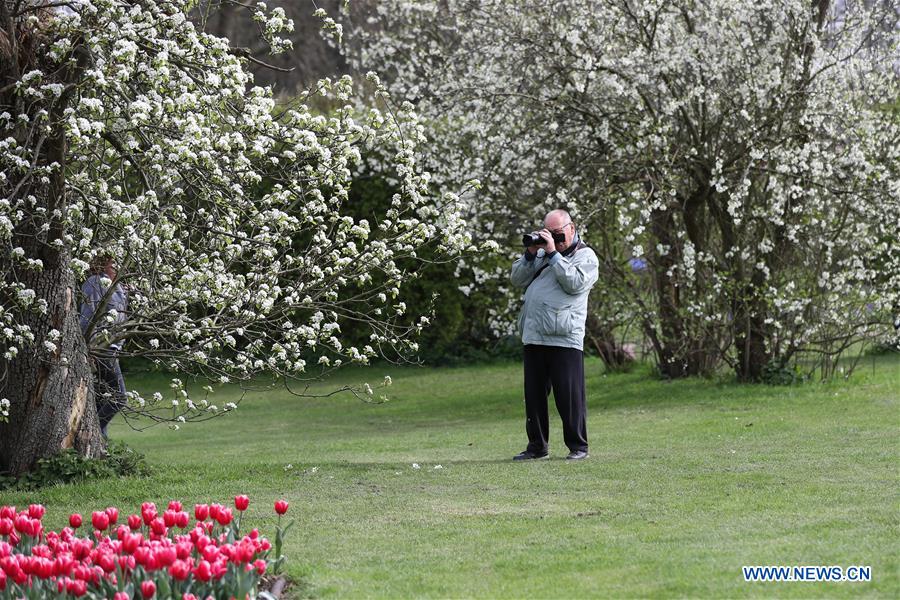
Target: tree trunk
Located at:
point(50, 388)
point(750, 332)
point(615, 357)
point(673, 353)
point(51, 394)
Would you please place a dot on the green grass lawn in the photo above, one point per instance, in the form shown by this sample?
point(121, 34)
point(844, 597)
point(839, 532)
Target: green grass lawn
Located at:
point(687, 482)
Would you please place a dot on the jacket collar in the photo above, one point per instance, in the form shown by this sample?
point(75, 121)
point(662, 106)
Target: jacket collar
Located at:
point(576, 240)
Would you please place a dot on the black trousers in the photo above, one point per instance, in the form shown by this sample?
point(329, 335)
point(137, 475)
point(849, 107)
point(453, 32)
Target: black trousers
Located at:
point(110, 389)
point(562, 370)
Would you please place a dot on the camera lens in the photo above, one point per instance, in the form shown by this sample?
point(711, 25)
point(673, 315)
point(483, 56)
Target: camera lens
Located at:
point(531, 239)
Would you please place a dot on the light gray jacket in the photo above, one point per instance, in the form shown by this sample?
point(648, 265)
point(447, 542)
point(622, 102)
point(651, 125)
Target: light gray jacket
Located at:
point(93, 291)
point(555, 305)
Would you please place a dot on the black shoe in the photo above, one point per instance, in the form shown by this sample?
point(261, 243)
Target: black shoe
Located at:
point(578, 455)
point(529, 455)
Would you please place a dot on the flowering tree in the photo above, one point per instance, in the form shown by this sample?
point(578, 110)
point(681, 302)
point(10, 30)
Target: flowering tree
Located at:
point(738, 151)
point(129, 132)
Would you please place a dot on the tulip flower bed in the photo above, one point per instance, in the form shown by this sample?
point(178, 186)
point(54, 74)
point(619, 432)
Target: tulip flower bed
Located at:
point(168, 555)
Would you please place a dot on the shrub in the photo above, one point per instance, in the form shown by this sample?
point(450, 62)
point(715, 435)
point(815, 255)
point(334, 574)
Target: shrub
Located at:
point(69, 467)
point(777, 373)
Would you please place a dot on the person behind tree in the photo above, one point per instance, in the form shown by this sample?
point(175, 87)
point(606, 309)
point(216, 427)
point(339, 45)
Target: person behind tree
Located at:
point(101, 310)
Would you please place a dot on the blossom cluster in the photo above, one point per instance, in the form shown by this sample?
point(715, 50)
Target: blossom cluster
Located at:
point(149, 555)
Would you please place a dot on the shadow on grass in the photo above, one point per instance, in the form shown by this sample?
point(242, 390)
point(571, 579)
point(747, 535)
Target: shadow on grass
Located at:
point(431, 463)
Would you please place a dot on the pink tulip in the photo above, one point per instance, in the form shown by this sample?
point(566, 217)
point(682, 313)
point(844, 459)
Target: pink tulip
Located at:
point(158, 526)
point(131, 542)
point(107, 562)
point(148, 512)
point(224, 517)
point(100, 520)
point(180, 570)
point(36, 511)
point(203, 571)
point(169, 518)
point(182, 519)
point(201, 511)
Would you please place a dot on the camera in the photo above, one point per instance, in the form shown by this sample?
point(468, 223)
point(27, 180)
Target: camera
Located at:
point(533, 239)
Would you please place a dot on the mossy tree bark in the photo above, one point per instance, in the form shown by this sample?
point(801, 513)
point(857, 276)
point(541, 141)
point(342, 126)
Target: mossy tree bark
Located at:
point(51, 394)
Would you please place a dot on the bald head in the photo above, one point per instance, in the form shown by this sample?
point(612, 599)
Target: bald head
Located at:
point(556, 218)
point(559, 221)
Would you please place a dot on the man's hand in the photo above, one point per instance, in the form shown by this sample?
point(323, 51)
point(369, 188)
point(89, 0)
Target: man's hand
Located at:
point(549, 244)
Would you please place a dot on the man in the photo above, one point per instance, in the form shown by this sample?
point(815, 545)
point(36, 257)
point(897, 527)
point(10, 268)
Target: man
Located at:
point(558, 272)
point(110, 383)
